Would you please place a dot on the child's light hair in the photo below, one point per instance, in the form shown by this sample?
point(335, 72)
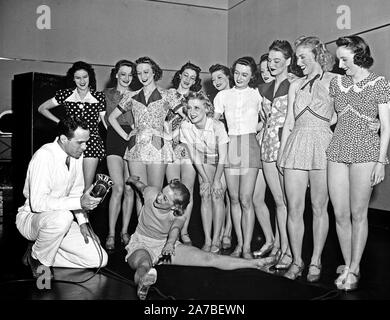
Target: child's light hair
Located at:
point(182, 196)
point(201, 96)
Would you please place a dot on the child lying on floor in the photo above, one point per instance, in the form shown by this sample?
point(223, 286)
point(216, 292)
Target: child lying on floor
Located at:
point(155, 238)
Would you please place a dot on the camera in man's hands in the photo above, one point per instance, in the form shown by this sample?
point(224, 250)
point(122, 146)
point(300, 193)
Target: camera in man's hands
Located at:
point(101, 186)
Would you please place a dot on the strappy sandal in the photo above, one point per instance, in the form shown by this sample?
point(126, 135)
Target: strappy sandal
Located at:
point(215, 248)
point(351, 284)
point(237, 252)
point(125, 238)
point(282, 263)
point(110, 243)
point(264, 250)
point(314, 276)
point(343, 273)
point(206, 247)
point(185, 239)
point(226, 242)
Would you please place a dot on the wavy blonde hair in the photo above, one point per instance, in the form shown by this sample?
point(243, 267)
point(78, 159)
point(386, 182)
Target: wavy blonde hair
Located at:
point(321, 53)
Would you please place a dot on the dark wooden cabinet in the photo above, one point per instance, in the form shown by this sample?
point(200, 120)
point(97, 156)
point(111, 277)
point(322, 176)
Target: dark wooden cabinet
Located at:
point(31, 129)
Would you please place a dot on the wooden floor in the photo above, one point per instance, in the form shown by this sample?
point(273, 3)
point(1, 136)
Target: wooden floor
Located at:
point(115, 282)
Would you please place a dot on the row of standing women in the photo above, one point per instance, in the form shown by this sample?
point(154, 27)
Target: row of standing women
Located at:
point(278, 134)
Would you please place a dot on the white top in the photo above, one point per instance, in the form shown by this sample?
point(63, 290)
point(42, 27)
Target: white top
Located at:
point(75, 97)
point(50, 185)
point(207, 140)
point(241, 108)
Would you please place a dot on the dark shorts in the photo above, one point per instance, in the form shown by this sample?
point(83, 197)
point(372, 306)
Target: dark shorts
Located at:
point(115, 144)
point(243, 152)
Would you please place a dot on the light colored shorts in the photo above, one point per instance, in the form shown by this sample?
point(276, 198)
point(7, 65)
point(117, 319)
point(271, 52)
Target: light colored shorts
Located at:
point(152, 246)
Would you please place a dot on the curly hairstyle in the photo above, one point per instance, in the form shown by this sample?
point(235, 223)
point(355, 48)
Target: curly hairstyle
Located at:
point(81, 65)
point(201, 96)
point(176, 78)
point(250, 62)
point(182, 196)
point(155, 67)
point(225, 70)
point(118, 65)
point(321, 53)
point(362, 53)
point(282, 46)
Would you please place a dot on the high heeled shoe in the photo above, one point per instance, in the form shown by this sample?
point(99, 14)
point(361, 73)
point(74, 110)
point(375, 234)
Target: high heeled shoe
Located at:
point(185, 239)
point(295, 271)
point(264, 250)
point(247, 255)
point(110, 243)
point(237, 252)
point(125, 238)
point(284, 262)
point(343, 273)
point(351, 282)
point(226, 242)
point(215, 248)
point(314, 276)
point(206, 247)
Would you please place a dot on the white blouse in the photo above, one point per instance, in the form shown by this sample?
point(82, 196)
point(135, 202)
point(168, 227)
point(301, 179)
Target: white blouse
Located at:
point(241, 108)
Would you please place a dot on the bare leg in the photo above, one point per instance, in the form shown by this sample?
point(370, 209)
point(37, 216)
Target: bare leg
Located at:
point(261, 209)
point(115, 170)
point(339, 191)
point(89, 170)
point(191, 256)
point(247, 186)
point(137, 168)
point(296, 186)
point(360, 187)
point(207, 217)
point(187, 176)
point(141, 262)
point(319, 203)
point(232, 180)
point(275, 183)
point(156, 173)
point(128, 201)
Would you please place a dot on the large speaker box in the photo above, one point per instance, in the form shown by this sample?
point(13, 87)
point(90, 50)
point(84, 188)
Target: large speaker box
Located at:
point(29, 91)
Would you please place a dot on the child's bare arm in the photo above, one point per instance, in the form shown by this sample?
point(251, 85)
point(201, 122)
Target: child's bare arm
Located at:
point(134, 180)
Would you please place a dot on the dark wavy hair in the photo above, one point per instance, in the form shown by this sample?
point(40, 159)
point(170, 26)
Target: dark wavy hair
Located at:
point(176, 78)
point(321, 53)
point(201, 96)
point(225, 70)
point(120, 64)
point(282, 46)
point(81, 65)
point(155, 67)
point(182, 196)
point(362, 53)
point(250, 62)
point(69, 124)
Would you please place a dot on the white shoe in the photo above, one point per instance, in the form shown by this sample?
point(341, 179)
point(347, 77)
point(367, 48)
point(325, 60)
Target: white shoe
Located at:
point(145, 282)
point(343, 271)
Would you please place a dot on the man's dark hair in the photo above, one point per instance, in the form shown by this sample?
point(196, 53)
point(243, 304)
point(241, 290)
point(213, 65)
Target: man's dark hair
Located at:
point(68, 125)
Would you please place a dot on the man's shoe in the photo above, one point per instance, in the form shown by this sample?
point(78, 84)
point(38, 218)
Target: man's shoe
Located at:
point(35, 264)
point(27, 253)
